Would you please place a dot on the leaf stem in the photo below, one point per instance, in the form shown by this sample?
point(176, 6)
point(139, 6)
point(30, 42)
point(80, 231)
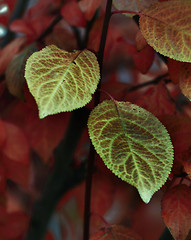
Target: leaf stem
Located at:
point(153, 81)
point(91, 158)
point(49, 28)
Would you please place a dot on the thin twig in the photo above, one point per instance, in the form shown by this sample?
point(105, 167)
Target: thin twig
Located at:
point(153, 81)
point(50, 27)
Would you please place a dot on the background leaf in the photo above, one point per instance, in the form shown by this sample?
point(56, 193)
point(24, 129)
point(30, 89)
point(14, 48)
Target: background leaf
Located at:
point(61, 81)
point(133, 5)
point(89, 7)
point(157, 100)
point(9, 51)
point(14, 225)
point(36, 20)
point(166, 27)
point(3, 132)
point(179, 128)
point(72, 13)
point(173, 69)
point(43, 134)
point(133, 144)
point(16, 146)
point(115, 232)
point(187, 167)
point(185, 79)
point(15, 72)
point(176, 211)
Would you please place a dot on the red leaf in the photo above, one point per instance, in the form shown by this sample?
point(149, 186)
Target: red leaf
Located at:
point(43, 134)
point(17, 172)
point(174, 68)
point(15, 72)
point(187, 167)
point(176, 211)
point(44, 7)
point(185, 79)
point(143, 59)
point(3, 132)
point(179, 128)
point(23, 26)
point(15, 225)
point(72, 13)
point(62, 36)
point(157, 100)
point(3, 213)
point(89, 7)
point(110, 199)
point(115, 232)
point(95, 34)
point(16, 146)
point(140, 41)
point(115, 42)
point(100, 202)
point(2, 180)
point(10, 51)
point(38, 18)
point(4, 17)
point(32, 28)
point(147, 220)
point(49, 236)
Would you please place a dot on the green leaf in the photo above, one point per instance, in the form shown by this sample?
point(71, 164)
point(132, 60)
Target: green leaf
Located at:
point(61, 81)
point(133, 144)
point(166, 27)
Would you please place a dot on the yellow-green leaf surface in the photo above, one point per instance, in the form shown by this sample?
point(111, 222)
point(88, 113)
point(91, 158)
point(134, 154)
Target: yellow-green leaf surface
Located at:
point(132, 5)
point(61, 81)
point(133, 144)
point(166, 27)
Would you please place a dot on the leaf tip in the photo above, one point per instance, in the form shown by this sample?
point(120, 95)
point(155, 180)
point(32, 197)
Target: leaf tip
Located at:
point(145, 195)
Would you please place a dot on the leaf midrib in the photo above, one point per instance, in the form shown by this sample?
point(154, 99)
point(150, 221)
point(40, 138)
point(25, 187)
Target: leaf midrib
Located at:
point(62, 78)
point(127, 138)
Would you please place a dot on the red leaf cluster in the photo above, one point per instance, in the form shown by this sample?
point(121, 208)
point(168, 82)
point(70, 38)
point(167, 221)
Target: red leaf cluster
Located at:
point(72, 13)
point(13, 225)
point(37, 19)
point(132, 71)
point(176, 211)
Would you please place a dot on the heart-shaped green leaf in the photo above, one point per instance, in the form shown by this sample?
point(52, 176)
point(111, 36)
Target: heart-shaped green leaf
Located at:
point(61, 81)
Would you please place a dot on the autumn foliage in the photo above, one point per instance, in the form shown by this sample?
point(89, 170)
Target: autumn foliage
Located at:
point(56, 94)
